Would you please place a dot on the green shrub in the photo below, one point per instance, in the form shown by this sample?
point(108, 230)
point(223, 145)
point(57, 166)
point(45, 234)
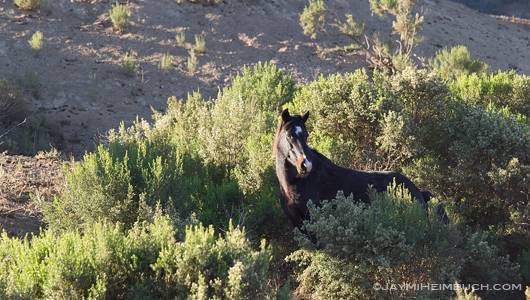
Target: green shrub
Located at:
point(482, 161)
point(341, 99)
point(146, 262)
point(407, 22)
point(389, 242)
point(372, 113)
point(27, 4)
point(238, 131)
point(410, 121)
point(120, 15)
point(204, 267)
point(451, 63)
point(501, 90)
point(350, 27)
point(312, 17)
point(201, 157)
point(124, 182)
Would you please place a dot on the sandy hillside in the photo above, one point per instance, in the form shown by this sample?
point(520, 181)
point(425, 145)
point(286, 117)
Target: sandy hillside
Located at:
point(77, 82)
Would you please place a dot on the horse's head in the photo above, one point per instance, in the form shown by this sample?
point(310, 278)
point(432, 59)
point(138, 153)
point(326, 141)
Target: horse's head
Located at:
point(291, 142)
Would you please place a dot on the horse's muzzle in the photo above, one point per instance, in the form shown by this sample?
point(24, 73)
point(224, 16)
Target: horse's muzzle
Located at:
point(304, 166)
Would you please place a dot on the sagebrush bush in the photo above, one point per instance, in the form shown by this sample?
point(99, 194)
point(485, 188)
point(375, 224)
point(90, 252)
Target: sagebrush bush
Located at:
point(124, 182)
point(451, 63)
point(350, 27)
point(237, 129)
point(120, 15)
point(313, 17)
point(210, 159)
point(146, 262)
point(473, 157)
point(206, 267)
point(501, 90)
point(412, 121)
point(407, 22)
point(359, 106)
point(490, 153)
point(335, 100)
point(393, 240)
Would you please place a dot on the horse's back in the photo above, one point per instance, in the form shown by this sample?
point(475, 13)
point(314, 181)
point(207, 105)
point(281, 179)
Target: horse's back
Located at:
point(381, 180)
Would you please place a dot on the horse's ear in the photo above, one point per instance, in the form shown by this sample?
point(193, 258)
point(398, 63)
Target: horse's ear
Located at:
point(305, 116)
point(286, 117)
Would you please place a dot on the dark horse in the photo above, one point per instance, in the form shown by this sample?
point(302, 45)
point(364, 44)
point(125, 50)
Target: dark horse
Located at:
point(305, 174)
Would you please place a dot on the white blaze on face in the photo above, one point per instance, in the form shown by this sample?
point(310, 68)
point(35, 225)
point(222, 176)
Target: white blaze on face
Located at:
point(297, 130)
point(308, 165)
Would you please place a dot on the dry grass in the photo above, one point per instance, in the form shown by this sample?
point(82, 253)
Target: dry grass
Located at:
point(37, 41)
point(180, 38)
point(120, 15)
point(200, 43)
point(166, 61)
point(192, 61)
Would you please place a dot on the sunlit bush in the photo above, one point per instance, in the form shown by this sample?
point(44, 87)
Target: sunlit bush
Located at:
point(146, 262)
point(392, 241)
point(345, 112)
point(312, 17)
point(209, 158)
point(451, 63)
point(411, 121)
point(501, 90)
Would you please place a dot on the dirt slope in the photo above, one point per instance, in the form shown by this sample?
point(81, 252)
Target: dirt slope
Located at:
point(80, 86)
point(21, 178)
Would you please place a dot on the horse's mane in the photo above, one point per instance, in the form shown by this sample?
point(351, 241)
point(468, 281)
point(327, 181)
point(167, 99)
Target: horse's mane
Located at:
point(276, 138)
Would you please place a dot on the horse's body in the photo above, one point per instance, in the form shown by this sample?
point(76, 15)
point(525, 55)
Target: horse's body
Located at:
point(305, 174)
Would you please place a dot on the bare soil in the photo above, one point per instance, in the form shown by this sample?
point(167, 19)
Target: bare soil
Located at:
point(21, 178)
point(77, 81)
